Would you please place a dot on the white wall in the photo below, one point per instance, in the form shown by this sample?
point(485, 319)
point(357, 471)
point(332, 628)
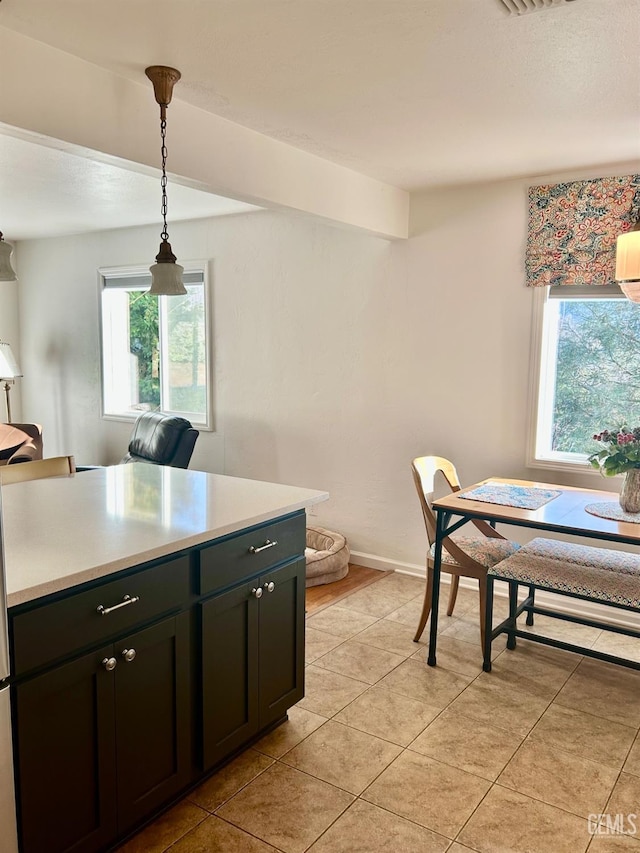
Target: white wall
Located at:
point(338, 356)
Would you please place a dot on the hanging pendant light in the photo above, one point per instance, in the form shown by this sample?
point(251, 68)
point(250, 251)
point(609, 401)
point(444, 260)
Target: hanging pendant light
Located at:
point(166, 274)
point(628, 262)
point(7, 273)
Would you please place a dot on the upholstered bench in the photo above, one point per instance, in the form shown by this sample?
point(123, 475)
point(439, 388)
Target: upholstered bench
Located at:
point(598, 575)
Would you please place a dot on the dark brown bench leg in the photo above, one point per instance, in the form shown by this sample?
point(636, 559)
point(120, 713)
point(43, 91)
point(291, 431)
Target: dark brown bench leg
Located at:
point(513, 606)
point(488, 625)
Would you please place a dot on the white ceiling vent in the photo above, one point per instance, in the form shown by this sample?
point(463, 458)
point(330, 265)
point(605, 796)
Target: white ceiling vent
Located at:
point(523, 7)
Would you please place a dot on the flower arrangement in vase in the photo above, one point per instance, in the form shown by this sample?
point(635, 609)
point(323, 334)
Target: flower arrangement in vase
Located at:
point(621, 455)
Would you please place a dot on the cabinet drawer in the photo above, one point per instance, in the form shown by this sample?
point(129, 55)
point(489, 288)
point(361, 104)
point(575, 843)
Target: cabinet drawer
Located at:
point(64, 627)
point(232, 560)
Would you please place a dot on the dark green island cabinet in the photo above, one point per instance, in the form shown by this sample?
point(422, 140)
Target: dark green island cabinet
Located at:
point(130, 690)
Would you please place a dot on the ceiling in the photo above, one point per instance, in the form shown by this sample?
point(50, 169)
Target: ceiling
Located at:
point(415, 93)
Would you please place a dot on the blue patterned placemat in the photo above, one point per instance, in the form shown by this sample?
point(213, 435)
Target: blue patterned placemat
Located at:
point(523, 497)
point(613, 510)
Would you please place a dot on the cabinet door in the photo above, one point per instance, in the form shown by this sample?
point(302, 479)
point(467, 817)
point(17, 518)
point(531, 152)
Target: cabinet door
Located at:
point(153, 716)
point(281, 641)
point(229, 672)
point(65, 736)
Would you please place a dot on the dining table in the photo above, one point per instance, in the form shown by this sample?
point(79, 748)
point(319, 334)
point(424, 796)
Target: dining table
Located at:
point(563, 511)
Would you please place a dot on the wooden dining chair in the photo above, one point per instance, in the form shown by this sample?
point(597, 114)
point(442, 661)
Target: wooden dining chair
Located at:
point(54, 466)
point(462, 556)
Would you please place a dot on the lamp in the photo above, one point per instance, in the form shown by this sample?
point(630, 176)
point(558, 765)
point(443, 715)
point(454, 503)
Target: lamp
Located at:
point(628, 262)
point(9, 372)
point(7, 272)
point(166, 274)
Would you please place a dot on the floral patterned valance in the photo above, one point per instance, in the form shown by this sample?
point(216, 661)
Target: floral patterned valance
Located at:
point(573, 229)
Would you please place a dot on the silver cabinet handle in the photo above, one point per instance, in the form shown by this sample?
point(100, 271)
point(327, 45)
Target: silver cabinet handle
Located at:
point(257, 592)
point(109, 664)
point(129, 654)
point(267, 544)
point(269, 586)
point(126, 601)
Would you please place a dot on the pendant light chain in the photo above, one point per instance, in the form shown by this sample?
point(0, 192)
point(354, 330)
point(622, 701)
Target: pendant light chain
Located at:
point(163, 150)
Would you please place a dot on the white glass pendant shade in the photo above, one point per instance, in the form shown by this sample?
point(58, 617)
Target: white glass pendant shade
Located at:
point(7, 272)
point(166, 280)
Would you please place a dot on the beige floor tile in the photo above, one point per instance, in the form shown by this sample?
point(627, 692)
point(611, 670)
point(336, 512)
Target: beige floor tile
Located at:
point(508, 822)
point(584, 735)
point(557, 629)
point(632, 764)
point(318, 643)
point(166, 829)
point(527, 649)
point(558, 778)
point(286, 808)
point(374, 602)
point(359, 661)
point(430, 684)
point(528, 672)
point(459, 848)
point(390, 636)
point(512, 710)
point(618, 644)
point(625, 801)
point(467, 744)
point(342, 756)
point(229, 780)
point(466, 600)
point(217, 836)
point(465, 628)
point(364, 828)
point(456, 655)
point(327, 692)
point(409, 615)
point(388, 715)
point(428, 792)
point(606, 690)
point(614, 844)
point(300, 724)
point(397, 582)
point(340, 621)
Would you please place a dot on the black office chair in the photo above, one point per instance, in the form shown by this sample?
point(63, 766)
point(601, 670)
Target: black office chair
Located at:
point(162, 439)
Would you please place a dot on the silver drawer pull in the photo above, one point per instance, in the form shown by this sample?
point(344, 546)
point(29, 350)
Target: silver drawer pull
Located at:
point(109, 664)
point(267, 544)
point(128, 654)
point(126, 601)
point(256, 592)
point(269, 586)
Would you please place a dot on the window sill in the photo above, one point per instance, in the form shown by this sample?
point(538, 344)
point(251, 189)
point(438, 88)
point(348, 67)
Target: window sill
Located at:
point(577, 467)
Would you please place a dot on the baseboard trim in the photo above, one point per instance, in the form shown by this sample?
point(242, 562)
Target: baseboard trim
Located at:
point(565, 604)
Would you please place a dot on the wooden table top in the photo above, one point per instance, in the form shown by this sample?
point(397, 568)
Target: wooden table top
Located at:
point(564, 514)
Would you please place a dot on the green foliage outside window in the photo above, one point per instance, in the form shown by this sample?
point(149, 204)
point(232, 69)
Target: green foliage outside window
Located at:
point(144, 343)
point(598, 371)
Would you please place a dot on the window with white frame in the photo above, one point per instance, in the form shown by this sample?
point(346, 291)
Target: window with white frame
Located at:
point(155, 349)
point(589, 370)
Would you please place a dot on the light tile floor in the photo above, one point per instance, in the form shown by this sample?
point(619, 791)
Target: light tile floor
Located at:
point(387, 755)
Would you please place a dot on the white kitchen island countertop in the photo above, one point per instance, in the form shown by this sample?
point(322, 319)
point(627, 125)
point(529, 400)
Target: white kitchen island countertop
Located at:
point(61, 532)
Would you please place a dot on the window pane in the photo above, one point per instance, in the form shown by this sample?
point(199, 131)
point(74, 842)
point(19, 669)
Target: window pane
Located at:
point(185, 363)
point(597, 381)
point(144, 346)
point(154, 349)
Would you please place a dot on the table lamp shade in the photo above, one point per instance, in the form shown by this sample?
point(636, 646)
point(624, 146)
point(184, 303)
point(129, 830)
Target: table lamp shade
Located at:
point(8, 365)
point(628, 264)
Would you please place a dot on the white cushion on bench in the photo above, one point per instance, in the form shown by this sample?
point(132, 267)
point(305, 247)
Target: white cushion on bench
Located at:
point(599, 573)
